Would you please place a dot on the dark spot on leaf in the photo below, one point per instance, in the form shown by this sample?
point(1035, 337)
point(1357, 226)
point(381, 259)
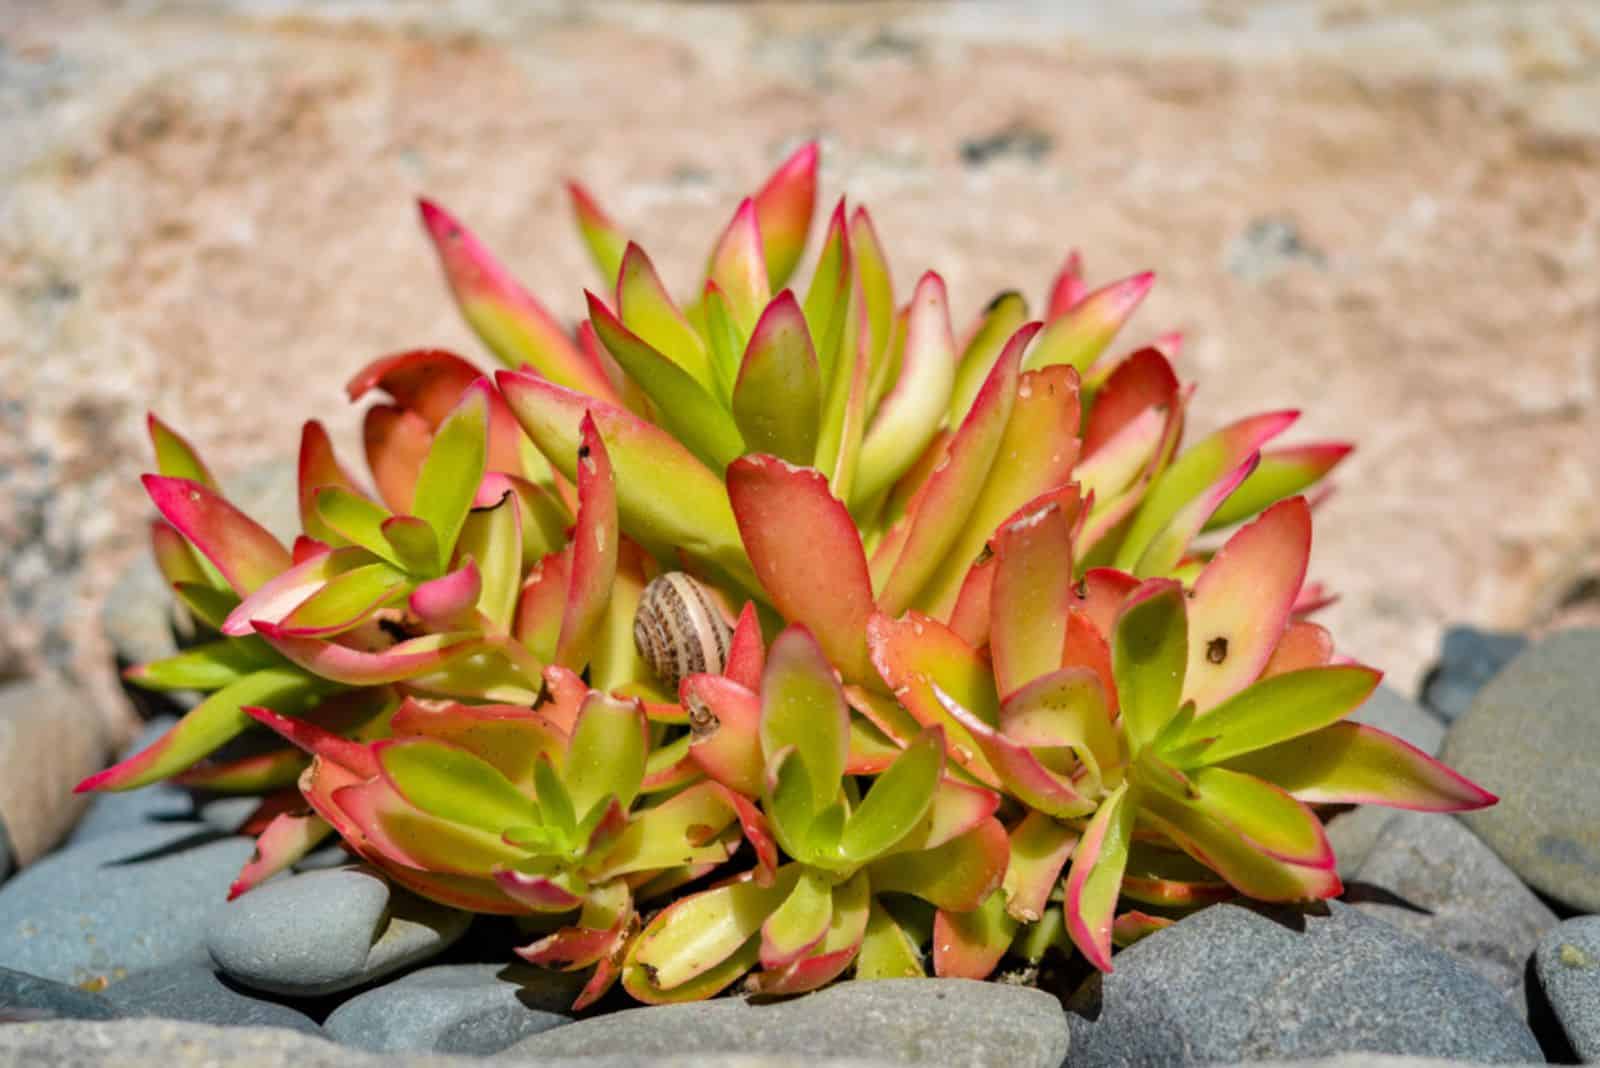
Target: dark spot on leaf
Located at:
point(583, 452)
point(1217, 650)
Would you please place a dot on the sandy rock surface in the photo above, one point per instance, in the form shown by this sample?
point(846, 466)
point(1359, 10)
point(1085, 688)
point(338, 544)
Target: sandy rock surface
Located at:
point(1387, 213)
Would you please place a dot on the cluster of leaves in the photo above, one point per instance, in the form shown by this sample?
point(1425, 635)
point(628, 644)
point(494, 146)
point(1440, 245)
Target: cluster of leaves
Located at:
point(987, 686)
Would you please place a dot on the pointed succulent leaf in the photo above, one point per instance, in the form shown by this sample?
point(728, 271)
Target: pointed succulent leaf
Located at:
point(412, 544)
point(666, 498)
point(795, 531)
point(747, 649)
point(454, 784)
point(354, 759)
point(1165, 876)
point(1149, 650)
point(540, 893)
point(514, 326)
point(887, 951)
point(1078, 336)
point(1199, 468)
point(647, 311)
point(1264, 815)
point(696, 935)
point(1090, 893)
point(218, 719)
point(910, 414)
point(595, 545)
point(239, 547)
point(725, 723)
point(1000, 322)
point(1282, 473)
point(788, 799)
point(1167, 550)
point(1020, 772)
point(970, 616)
point(205, 667)
point(176, 559)
point(799, 923)
point(601, 236)
point(897, 801)
point(1141, 383)
point(491, 537)
point(352, 667)
point(281, 594)
point(1275, 710)
point(396, 443)
point(1040, 847)
point(784, 206)
point(1066, 707)
point(1130, 927)
point(1033, 588)
point(287, 839)
point(449, 478)
point(684, 829)
point(541, 604)
point(738, 266)
point(725, 341)
point(360, 522)
point(969, 945)
point(945, 503)
point(606, 754)
point(693, 415)
point(1067, 288)
point(1355, 764)
point(1240, 604)
point(777, 399)
point(835, 952)
point(957, 876)
point(802, 706)
point(175, 457)
point(510, 737)
point(827, 302)
point(845, 404)
point(1036, 455)
point(1303, 645)
point(346, 600)
point(872, 268)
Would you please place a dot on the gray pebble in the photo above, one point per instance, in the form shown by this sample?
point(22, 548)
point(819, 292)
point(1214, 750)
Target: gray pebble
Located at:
point(195, 992)
point(28, 997)
point(457, 1008)
point(1568, 965)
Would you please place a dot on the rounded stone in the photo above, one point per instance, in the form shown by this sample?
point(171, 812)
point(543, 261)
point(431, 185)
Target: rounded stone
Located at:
point(28, 997)
point(1231, 984)
point(900, 1021)
point(119, 903)
point(1568, 966)
point(456, 1008)
point(326, 931)
point(196, 993)
point(1533, 737)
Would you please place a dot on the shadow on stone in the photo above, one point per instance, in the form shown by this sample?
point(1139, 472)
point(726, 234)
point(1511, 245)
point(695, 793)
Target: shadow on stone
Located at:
point(1544, 1023)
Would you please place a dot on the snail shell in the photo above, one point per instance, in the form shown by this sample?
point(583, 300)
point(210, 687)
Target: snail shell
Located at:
point(679, 630)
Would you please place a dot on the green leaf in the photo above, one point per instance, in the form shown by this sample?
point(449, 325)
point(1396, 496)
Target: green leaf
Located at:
point(777, 399)
point(827, 301)
point(1003, 317)
point(208, 604)
point(1095, 878)
point(206, 667)
point(1264, 815)
point(788, 800)
point(554, 804)
point(176, 458)
point(887, 952)
point(897, 801)
point(491, 536)
point(821, 845)
point(606, 755)
point(700, 932)
point(357, 519)
point(1149, 653)
point(348, 599)
point(452, 470)
point(802, 706)
point(415, 545)
point(650, 314)
point(800, 922)
point(1274, 710)
point(454, 785)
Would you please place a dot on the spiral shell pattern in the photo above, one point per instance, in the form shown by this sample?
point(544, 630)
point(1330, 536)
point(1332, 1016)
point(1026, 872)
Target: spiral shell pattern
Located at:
point(678, 629)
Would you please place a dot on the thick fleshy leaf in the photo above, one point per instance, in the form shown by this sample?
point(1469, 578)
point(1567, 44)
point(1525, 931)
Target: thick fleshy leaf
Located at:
point(827, 303)
point(344, 601)
point(241, 549)
point(799, 923)
point(897, 800)
point(1282, 473)
point(353, 667)
point(1275, 710)
point(887, 951)
point(1139, 383)
point(1036, 455)
point(219, 718)
point(910, 414)
point(258, 773)
point(784, 206)
point(1355, 764)
point(1167, 877)
point(491, 538)
point(919, 658)
point(1064, 708)
point(449, 478)
point(725, 340)
point(505, 316)
point(206, 667)
point(971, 614)
point(175, 558)
point(396, 443)
point(687, 828)
point(696, 935)
point(1109, 475)
point(541, 605)
point(175, 457)
point(957, 809)
point(833, 954)
point(1033, 588)
point(606, 754)
point(601, 236)
point(797, 533)
point(1240, 604)
point(614, 660)
point(361, 522)
point(725, 721)
point(539, 893)
point(1089, 896)
point(1149, 650)
point(595, 546)
point(510, 737)
point(356, 759)
point(686, 408)
point(413, 544)
point(454, 784)
point(877, 290)
point(1021, 772)
point(969, 945)
point(1067, 288)
point(738, 266)
point(430, 383)
point(1001, 320)
point(288, 838)
point(1130, 927)
point(666, 499)
point(1196, 470)
point(777, 399)
point(318, 467)
point(1303, 645)
point(956, 876)
point(651, 317)
point(1078, 336)
point(945, 504)
point(802, 706)
point(1040, 847)
point(450, 600)
point(1264, 815)
point(607, 913)
point(747, 649)
point(1168, 549)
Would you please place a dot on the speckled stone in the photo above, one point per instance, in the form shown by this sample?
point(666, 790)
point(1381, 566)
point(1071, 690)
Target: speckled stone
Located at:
point(1533, 737)
point(195, 992)
point(28, 997)
point(456, 1008)
point(326, 931)
point(1568, 966)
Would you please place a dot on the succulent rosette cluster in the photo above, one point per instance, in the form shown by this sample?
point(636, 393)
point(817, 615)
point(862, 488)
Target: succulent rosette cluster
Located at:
point(782, 634)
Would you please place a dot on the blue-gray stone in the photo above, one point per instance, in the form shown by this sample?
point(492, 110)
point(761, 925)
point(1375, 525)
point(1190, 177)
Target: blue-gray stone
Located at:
point(160, 804)
point(456, 1008)
point(28, 997)
point(195, 992)
point(1435, 880)
point(1468, 659)
point(1403, 718)
point(1568, 966)
point(119, 902)
point(901, 1021)
point(326, 931)
point(1231, 984)
point(1533, 737)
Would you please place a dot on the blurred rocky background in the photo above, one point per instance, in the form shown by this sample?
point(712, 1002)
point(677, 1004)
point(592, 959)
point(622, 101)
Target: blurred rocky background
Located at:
point(1386, 212)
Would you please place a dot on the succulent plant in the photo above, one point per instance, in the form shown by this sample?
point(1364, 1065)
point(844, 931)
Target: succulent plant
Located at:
point(877, 634)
